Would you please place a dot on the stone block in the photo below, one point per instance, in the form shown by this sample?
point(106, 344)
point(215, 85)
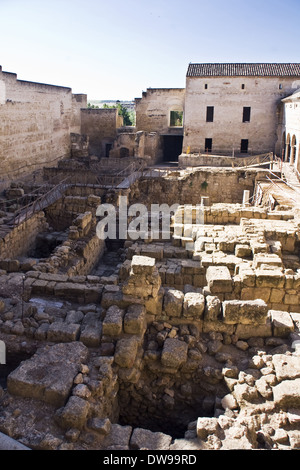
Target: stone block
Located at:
point(74, 414)
point(173, 302)
point(174, 353)
point(269, 278)
point(63, 332)
point(243, 251)
point(286, 367)
point(245, 312)
point(135, 319)
point(142, 264)
point(206, 427)
point(113, 322)
point(193, 305)
point(287, 393)
point(48, 375)
point(219, 279)
point(251, 331)
point(146, 439)
point(91, 335)
point(282, 323)
point(126, 351)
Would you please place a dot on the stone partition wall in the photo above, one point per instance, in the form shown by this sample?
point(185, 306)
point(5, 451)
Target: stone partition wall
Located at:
point(220, 185)
point(20, 239)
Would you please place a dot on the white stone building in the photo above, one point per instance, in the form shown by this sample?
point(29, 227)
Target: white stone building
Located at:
point(290, 141)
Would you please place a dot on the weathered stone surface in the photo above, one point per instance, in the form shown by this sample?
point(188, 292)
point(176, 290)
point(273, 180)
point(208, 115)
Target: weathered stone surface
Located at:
point(134, 320)
point(212, 308)
point(113, 322)
point(126, 350)
point(174, 353)
point(286, 367)
point(101, 426)
point(148, 440)
point(49, 374)
point(219, 279)
point(118, 437)
point(193, 305)
point(142, 265)
point(287, 393)
point(173, 302)
point(207, 426)
point(63, 332)
point(282, 323)
point(74, 414)
point(245, 312)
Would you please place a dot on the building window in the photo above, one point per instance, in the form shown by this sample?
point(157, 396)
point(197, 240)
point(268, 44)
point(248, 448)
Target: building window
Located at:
point(208, 145)
point(280, 86)
point(209, 114)
point(246, 114)
point(243, 86)
point(244, 146)
point(205, 86)
point(176, 118)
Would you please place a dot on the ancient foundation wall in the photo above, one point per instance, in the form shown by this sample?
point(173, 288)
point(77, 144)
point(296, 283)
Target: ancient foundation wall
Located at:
point(219, 185)
point(22, 237)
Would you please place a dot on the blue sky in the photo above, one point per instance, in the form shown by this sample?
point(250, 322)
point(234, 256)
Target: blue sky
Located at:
point(116, 49)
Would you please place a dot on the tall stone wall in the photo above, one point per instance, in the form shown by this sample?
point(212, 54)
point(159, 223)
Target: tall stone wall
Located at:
point(100, 125)
point(153, 109)
point(226, 95)
point(35, 124)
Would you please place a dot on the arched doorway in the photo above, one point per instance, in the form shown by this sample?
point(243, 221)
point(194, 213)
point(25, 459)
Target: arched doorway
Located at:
point(293, 150)
point(288, 148)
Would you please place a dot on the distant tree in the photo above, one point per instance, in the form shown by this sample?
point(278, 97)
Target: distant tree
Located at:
point(128, 117)
point(92, 106)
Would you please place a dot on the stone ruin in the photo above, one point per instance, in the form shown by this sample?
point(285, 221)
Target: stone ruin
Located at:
point(189, 343)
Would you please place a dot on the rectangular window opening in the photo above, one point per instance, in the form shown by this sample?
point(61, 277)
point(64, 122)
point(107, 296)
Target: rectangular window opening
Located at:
point(244, 146)
point(176, 118)
point(243, 86)
point(280, 86)
point(205, 86)
point(246, 114)
point(209, 114)
point(208, 145)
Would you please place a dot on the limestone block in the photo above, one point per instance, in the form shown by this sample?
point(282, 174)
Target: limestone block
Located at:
point(286, 367)
point(126, 351)
point(142, 265)
point(173, 302)
point(113, 322)
point(101, 426)
point(146, 439)
point(219, 279)
point(251, 331)
point(174, 353)
point(287, 393)
point(244, 393)
point(282, 323)
point(243, 251)
point(63, 332)
point(212, 308)
point(48, 375)
point(250, 293)
point(271, 259)
point(91, 335)
point(277, 296)
point(269, 278)
point(245, 312)
point(135, 319)
point(206, 427)
point(193, 304)
point(74, 414)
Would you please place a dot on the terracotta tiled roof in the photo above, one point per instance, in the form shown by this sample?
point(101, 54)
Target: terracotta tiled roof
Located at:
point(243, 70)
